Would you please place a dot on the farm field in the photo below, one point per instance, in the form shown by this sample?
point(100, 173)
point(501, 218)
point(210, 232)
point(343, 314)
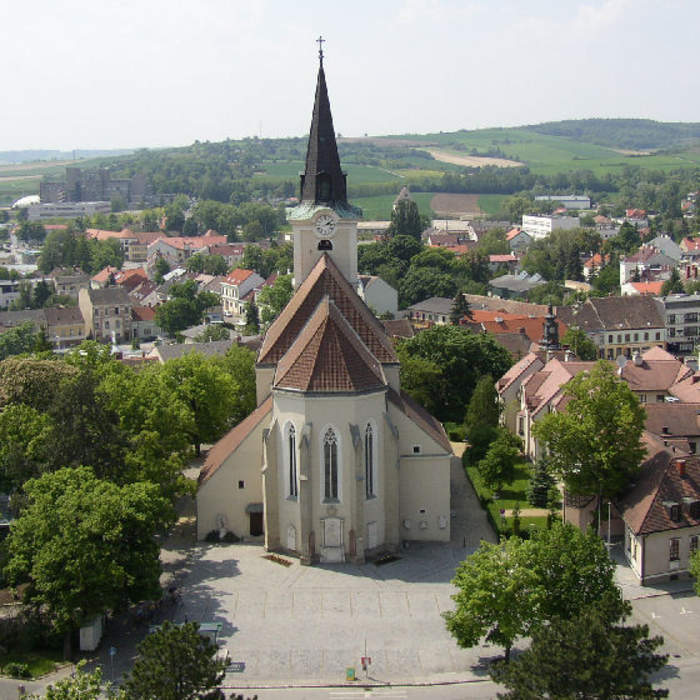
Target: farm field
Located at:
point(547, 154)
point(491, 203)
point(456, 205)
point(378, 208)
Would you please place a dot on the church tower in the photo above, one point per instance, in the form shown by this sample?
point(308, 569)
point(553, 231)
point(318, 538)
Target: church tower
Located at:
point(324, 221)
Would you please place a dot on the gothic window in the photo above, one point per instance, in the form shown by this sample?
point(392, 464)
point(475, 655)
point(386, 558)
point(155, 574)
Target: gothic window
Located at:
point(330, 465)
point(370, 489)
point(292, 462)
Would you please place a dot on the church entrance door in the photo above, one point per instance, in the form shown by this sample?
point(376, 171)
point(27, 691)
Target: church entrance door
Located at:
point(256, 524)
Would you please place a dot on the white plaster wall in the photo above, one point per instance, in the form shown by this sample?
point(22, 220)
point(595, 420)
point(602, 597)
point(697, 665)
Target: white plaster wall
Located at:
point(220, 493)
point(656, 549)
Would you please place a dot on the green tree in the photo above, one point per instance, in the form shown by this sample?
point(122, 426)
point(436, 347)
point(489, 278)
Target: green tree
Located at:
point(80, 685)
point(673, 284)
point(539, 486)
point(483, 404)
point(460, 309)
point(209, 264)
point(31, 231)
point(17, 341)
point(214, 331)
point(25, 445)
point(494, 596)
point(591, 655)
point(422, 283)
point(272, 299)
point(406, 220)
point(85, 546)
point(595, 444)
point(252, 318)
point(462, 357)
point(581, 345)
point(498, 465)
point(209, 393)
point(161, 268)
point(31, 381)
point(175, 663)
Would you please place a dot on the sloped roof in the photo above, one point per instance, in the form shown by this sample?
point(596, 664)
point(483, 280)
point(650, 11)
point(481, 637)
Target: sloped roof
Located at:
point(238, 276)
point(659, 482)
point(657, 372)
point(143, 313)
point(109, 295)
point(230, 442)
point(399, 328)
point(673, 419)
point(328, 356)
point(415, 412)
point(65, 314)
point(517, 370)
point(614, 313)
point(653, 288)
point(687, 389)
point(325, 279)
point(478, 301)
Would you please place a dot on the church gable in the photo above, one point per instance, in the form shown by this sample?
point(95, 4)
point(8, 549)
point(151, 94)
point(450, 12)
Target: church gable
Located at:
point(328, 356)
point(325, 279)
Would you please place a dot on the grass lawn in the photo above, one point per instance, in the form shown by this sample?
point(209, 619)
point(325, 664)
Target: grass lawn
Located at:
point(357, 174)
point(491, 203)
point(509, 496)
point(39, 661)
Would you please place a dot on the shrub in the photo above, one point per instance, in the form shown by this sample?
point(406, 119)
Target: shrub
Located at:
point(17, 670)
point(212, 536)
point(231, 537)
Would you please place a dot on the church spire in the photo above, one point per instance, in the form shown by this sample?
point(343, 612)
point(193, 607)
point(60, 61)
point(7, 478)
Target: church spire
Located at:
point(323, 182)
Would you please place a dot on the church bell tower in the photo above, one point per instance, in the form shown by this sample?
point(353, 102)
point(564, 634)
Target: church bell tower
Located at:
point(324, 221)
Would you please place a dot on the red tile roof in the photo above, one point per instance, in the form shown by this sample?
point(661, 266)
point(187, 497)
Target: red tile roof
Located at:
point(193, 242)
point(653, 288)
point(513, 233)
point(238, 276)
point(143, 313)
point(104, 274)
point(665, 478)
point(496, 258)
point(325, 279)
point(328, 356)
point(415, 412)
point(230, 442)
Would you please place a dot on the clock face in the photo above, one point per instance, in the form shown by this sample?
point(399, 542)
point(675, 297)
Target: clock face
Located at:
point(325, 226)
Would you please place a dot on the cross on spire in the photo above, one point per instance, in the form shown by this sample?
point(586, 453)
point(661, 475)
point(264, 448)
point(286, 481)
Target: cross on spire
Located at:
point(320, 41)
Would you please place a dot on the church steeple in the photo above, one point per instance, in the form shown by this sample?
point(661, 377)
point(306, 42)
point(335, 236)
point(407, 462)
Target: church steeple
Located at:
point(323, 182)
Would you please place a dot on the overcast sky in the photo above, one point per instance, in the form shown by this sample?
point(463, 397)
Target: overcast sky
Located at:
point(131, 73)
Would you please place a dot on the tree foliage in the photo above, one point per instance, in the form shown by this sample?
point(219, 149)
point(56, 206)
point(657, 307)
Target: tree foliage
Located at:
point(595, 444)
point(85, 545)
point(581, 345)
point(272, 299)
point(507, 590)
point(590, 655)
point(406, 220)
point(175, 663)
point(498, 465)
point(460, 356)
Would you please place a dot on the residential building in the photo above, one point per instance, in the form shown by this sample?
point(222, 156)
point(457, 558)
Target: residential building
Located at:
point(66, 210)
point(177, 249)
point(69, 281)
point(652, 375)
point(618, 325)
point(510, 306)
point(649, 288)
point(541, 226)
point(518, 240)
point(515, 286)
point(434, 311)
point(648, 263)
point(143, 323)
point(235, 286)
point(232, 253)
point(336, 463)
point(682, 316)
point(666, 245)
point(65, 326)
point(568, 201)
point(9, 292)
point(500, 323)
point(107, 314)
point(661, 515)
point(379, 295)
point(676, 424)
point(133, 244)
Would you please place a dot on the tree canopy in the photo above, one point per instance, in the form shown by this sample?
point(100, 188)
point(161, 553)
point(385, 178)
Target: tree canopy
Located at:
point(460, 356)
point(595, 444)
point(85, 545)
point(174, 663)
point(590, 655)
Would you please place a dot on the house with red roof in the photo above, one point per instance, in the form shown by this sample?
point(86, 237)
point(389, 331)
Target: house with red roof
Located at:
point(177, 249)
point(235, 287)
point(143, 323)
point(518, 239)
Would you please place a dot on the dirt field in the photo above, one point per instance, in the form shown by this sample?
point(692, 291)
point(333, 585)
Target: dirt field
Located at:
point(456, 205)
point(471, 161)
point(5, 178)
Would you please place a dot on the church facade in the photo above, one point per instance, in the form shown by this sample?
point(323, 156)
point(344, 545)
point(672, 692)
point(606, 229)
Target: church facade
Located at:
point(336, 463)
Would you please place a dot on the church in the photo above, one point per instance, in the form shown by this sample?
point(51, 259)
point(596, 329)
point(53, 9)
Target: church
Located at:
point(336, 463)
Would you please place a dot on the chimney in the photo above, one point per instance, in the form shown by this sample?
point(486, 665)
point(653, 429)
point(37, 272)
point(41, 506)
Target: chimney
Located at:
point(680, 465)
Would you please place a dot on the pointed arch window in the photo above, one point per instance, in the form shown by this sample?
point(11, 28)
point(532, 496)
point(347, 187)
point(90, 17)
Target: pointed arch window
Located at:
point(370, 488)
point(330, 465)
point(292, 461)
